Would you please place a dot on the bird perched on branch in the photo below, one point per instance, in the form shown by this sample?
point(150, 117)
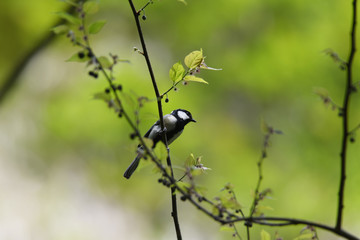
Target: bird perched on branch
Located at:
point(174, 126)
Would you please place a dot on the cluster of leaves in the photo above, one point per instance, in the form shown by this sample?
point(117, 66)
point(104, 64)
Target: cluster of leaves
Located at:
point(79, 32)
point(308, 233)
point(194, 62)
point(342, 64)
point(325, 96)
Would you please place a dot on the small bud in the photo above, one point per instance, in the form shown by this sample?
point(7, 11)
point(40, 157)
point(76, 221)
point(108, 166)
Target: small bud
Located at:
point(143, 17)
point(175, 89)
point(120, 114)
point(166, 100)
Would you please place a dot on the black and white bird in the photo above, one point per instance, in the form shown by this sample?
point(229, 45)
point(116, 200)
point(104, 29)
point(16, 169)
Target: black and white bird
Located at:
point(174, 124)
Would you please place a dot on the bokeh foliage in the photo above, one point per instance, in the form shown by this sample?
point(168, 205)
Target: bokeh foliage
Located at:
point(271, 53)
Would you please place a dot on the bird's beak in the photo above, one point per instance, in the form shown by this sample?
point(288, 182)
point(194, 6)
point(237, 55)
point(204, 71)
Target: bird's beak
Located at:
point(192, 120)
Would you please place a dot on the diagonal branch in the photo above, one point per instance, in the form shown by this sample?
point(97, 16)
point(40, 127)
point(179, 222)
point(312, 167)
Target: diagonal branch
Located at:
point(345, 114)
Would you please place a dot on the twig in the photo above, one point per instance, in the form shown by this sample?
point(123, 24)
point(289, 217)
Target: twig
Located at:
point(174, 213)
point(345, 127)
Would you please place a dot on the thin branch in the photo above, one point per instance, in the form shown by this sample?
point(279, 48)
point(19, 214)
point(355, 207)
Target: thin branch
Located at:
point(174, 213)
point(345, 127)
point(260, 175)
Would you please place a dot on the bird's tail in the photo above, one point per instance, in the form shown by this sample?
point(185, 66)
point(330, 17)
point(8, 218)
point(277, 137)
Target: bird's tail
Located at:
point(131, 169)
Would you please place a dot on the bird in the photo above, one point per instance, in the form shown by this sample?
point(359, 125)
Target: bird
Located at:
point(174, 126)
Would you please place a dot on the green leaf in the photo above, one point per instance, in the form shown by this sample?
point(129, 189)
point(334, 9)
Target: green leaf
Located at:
point(184, 186)
point(265, 235)
point(192, 78)
point(226, 228)
point(96, 26)
point(177, 72)
point(68, 17)
point(194, 59)
point(215, 211)
point(228, 200)
point(104, 61)
point(161, 151)
point(76, 58)
point(91, 7)
point(190, 161)
point(201, 189)
point(102, 96)
point(60, 29)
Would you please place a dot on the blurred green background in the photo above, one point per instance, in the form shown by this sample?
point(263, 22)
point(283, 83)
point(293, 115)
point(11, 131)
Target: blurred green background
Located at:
point(62, 154)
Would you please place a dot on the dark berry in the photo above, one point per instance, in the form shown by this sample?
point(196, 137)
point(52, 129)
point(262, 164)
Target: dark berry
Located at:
point(107, 90)
point(132, 136)
point(119, 87)
point(166, 100)
point(183, 198)
point(81, 55)
point(143, 17)
point(352, 139)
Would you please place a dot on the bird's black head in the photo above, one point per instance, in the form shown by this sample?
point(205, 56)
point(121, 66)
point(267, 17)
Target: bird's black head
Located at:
point(183, 115)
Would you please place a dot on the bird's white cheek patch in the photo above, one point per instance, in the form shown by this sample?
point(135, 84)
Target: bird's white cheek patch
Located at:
point(182, 115)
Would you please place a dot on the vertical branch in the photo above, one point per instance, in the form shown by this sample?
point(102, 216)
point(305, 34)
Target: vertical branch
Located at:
point(174, 213)
point(345, 115)
point(260, 175)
